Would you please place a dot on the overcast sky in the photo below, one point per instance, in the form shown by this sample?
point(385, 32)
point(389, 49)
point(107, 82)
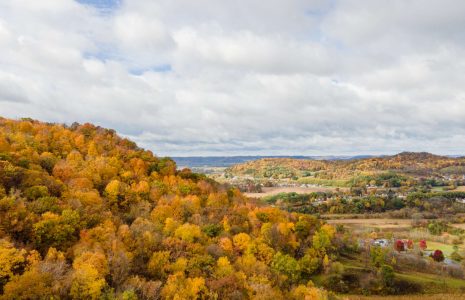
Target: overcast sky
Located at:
point(222, 77)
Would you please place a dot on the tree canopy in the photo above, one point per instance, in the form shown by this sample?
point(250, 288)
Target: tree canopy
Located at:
point(86, 214)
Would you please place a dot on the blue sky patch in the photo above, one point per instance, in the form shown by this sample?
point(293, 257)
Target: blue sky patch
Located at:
point(104, 5)
point(159, 69)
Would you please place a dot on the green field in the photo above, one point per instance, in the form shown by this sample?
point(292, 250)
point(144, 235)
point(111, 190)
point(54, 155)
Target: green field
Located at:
point(456, 296)
point(324, 182)
point(445, 248)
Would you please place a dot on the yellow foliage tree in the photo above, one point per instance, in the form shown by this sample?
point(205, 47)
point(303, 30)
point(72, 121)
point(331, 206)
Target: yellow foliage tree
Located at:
point(226, 244)
point(241, 241)
point(223, 267)
point(188, 232)
point(11, 260)
point(303, 292)
point(95, 259)
point(159, 264)
point(178, 287)
point(87, 282)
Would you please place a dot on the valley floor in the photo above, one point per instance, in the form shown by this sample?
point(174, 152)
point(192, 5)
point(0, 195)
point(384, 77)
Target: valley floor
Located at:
point(270, 191)
point(408, 297)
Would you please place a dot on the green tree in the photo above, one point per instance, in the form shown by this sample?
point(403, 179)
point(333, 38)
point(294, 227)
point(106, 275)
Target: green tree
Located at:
point(286, 265)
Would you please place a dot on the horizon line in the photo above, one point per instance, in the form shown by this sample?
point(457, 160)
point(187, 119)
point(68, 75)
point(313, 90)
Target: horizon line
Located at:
point(317, 155)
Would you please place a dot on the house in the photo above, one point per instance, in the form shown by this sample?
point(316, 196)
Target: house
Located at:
point(381, 243)
point(460, 200)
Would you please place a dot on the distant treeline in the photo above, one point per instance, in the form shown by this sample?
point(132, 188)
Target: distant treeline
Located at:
point(337, 203)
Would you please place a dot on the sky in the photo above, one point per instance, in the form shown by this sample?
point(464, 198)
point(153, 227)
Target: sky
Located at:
point(246, 77)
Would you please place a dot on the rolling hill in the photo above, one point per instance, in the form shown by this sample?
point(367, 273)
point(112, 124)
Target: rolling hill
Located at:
point(405, 163)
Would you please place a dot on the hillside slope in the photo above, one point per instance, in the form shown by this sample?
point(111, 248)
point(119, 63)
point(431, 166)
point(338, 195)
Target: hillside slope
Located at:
point(417, 164)
point(85, 214)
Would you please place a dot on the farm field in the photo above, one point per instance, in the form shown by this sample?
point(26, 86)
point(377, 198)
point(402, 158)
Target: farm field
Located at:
point(460, 226)
point(374, 223)
point(270, 191)
point(441, 188)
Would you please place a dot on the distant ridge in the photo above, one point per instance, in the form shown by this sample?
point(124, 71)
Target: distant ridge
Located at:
point(227, 161)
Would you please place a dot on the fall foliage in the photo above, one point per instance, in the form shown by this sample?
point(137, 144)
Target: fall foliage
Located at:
point(388, 171)
point(86, 214)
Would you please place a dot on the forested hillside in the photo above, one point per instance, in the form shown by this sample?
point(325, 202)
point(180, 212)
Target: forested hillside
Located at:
point(406, 163)
point(85, 214)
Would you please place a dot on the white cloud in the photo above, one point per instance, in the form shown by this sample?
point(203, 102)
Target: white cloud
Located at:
point(249, 52)
point(230, 77)
point(143, 40)
point(4, 33)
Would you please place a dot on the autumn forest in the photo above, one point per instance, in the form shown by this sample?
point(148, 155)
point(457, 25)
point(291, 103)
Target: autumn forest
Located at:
point(86, 214)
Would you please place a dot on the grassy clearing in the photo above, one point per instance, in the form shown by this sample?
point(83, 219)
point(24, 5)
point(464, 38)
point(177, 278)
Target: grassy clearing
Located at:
point(434, 283)
point(445, 248)
point(324, 182)
point(407, 297)
point(431, 283)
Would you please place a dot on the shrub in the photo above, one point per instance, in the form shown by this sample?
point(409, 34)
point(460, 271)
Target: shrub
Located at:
point(437, 228)
point(336, 283)
point(212, 230)
point(387, 275)
point(456, 256)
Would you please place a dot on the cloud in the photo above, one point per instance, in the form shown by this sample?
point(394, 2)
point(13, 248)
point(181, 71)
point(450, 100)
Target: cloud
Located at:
point(275, 77)
point(11, 90)
point(142, 40)
point(248, 52)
